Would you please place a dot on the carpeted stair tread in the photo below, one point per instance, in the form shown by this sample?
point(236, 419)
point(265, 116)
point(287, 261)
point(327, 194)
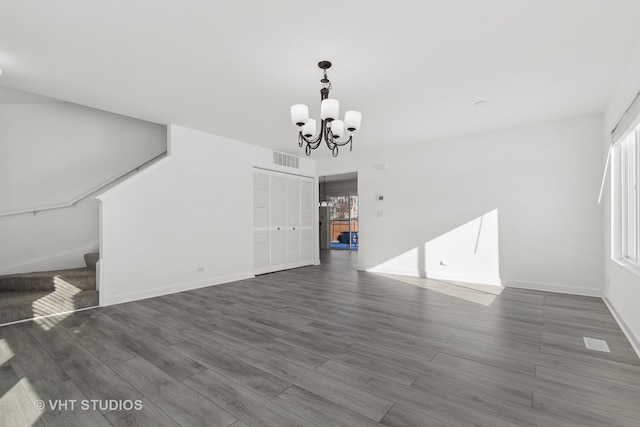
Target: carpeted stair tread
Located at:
point(81, 278)
point(91, 259)
point(24, 305)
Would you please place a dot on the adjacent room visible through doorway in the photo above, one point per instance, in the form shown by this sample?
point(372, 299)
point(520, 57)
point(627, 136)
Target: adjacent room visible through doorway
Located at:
point(339, 211)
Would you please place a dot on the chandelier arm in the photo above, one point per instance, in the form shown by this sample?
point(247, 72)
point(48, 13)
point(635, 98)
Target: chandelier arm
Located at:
point(311, 141)
point(343, 143)
point(328, 138)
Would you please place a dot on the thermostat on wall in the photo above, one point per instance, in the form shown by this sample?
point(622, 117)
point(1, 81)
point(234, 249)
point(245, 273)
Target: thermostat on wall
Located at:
point(380, 198)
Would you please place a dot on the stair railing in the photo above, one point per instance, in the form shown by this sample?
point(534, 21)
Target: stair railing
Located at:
point(73, 202)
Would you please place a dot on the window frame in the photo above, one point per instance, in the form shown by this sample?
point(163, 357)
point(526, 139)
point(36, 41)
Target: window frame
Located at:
point(625, 201)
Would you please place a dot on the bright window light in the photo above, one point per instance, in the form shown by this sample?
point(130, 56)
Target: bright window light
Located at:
point(626, 201)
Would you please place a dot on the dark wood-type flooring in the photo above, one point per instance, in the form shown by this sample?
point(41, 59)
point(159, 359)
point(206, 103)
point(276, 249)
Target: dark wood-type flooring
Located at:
point(326, 346)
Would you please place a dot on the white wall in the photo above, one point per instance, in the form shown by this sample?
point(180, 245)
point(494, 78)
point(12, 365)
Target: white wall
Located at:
point(538, 183)
point(51, 153)
point(622, 287)
point(192, 210)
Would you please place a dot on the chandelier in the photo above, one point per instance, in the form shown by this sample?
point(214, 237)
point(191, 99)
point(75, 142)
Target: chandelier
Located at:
point(331, 129)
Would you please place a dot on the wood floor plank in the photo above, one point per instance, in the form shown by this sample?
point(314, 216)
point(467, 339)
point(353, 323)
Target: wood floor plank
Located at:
point(393, 372)
point(252, 378)
point(581, 415)
point(301, 357)
point(409, 362)
point(320, 411)
point(66, 391)
point(401, 416)
point(221, 342)
point(162, 356)
point(495, 373)
point(174, 398)
point(590, 392)
point(473, 351)
point(149, 416)
point(502, 340)
point(242, 403)
point(103, 346)
point(128, 314)
point(351, 398)
point(86, 370)
point(431, 405)
point(51, 339)
point(488, 403)
point(29, 359)
point(514, 393)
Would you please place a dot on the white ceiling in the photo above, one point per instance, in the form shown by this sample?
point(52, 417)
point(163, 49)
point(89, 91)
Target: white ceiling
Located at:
point(233, 67)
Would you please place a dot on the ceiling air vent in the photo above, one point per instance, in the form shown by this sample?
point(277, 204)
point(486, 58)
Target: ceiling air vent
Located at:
point(287, 160)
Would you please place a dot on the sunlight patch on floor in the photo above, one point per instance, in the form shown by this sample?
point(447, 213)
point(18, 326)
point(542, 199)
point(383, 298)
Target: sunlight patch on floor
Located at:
point(473, 292)
point(5, 352)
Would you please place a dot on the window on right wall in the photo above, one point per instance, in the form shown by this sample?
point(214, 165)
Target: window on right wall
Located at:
point(626, 200)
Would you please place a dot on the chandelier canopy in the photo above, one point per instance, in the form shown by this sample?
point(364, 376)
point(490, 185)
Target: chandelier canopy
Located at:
point(331, 128)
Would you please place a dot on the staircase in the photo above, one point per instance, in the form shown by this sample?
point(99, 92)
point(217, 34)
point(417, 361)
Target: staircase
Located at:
point(29, 295)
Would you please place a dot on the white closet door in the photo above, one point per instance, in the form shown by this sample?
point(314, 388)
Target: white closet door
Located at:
point(261, 259)
point(283, 215)
point(278, 250)
point(293, 201)
point(293, 221)
point(293, 248)
point(306, 246)
point(278, 202)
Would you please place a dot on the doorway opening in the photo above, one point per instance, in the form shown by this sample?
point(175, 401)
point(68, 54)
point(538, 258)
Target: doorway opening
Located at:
point(339, 212)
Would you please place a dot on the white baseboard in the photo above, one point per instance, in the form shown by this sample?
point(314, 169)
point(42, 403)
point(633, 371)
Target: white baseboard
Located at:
point(635, 343)
point(106, 300)
point(553, 287)
point(435, 276)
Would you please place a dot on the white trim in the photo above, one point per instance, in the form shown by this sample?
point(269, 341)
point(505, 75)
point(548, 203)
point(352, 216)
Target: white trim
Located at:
point(485, 280)
point(554, 287)
point(494, 281)
point(536, 286)
point(156, 292)
point(635, 343)
point(628, 264)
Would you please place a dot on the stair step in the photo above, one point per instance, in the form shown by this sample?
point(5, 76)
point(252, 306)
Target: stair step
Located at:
point(25, 305)
point(79, 278)
point(91, 259)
